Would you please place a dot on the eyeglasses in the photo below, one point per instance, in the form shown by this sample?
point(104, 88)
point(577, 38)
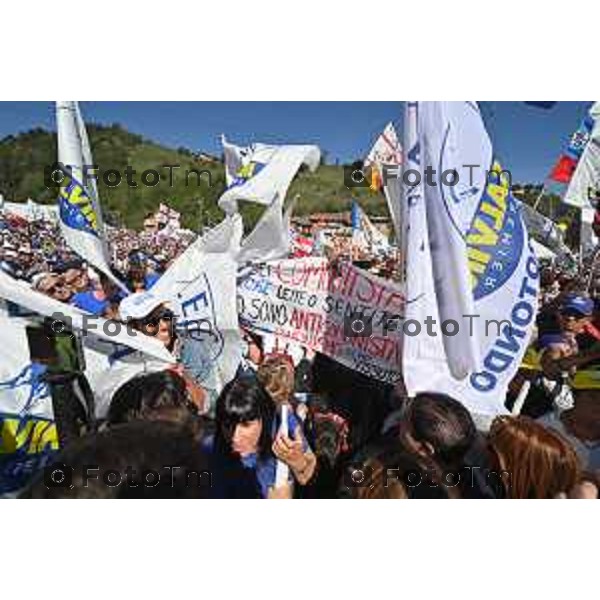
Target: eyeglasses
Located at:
point(55, 287)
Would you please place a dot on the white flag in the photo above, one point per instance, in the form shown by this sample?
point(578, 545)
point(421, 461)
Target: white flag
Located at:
point(481, 261)
point(586, 179)
point(234, 159)
point(28, 435)
point(386, 157)
point(270, 238)
point(80, 214)
point(365, 233)
point(423, 356)
point(267, 172)
point(386, 150)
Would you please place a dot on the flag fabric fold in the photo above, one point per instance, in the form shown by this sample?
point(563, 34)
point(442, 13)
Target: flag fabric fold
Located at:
point(266, 171)
point(585, 181)
point(270, 239)
point(79, 206)
point(385, 160)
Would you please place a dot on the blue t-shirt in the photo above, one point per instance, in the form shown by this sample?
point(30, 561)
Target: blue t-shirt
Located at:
point(150, 280)
point(88, 302)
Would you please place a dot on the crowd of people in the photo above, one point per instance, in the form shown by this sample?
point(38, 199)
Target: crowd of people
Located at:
point(303, 425)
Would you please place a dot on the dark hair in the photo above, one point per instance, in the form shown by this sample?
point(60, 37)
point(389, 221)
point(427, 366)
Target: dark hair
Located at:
point(255, 338)
point(154, 396)
point(243, 399)
point(131, 452)
point(445, 424)
point(393, 473)
point(363, 401)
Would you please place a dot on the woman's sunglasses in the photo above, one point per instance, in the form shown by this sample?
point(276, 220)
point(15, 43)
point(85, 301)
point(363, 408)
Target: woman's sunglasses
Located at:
point(153, 321)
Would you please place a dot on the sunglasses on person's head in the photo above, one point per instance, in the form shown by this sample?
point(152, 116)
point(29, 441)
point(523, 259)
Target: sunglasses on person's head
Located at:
point(155, 319)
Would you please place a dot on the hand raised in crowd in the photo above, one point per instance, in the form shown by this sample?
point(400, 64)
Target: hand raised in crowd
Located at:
point(291, 452)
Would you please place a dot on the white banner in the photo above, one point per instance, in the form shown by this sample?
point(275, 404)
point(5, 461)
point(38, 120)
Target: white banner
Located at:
point(481, 260)
point(342, 311)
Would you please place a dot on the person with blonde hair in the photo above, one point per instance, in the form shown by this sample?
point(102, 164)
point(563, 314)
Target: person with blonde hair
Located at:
point(276, 375)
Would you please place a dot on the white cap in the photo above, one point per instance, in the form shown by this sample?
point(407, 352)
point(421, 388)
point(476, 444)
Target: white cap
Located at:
point(140, 305)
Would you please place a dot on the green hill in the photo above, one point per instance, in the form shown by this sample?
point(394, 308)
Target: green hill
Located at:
point(23, 158)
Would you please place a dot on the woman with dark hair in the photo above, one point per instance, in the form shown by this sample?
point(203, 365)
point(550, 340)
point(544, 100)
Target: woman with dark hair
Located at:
point(152, 317)
point(161, 396)
point(385, 471)
point(141, 459)
point(440, 432)
point(245, 416)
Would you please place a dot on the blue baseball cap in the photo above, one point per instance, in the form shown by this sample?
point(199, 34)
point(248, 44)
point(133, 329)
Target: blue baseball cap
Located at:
point(576, 303)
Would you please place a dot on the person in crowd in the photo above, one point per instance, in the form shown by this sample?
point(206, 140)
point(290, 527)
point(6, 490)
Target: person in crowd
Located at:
point(140, 459)
point(160, 396)
point(53, 286)
point(385, 471)
point(345, 390)
point(244, 417)
point(252, 352)
point(276, 374)
point(439, 431)
point(560, 355)
point(580, 426)
point(153, 318)
point(136, 279)
point(328, 433)
point(574, 314)
point(77, 279)
point(534, 461)
point(92, 300)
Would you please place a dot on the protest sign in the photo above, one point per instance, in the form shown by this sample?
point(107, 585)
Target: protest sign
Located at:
point(338, 309)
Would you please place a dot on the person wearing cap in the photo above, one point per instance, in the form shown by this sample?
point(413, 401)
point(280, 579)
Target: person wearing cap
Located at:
point(560, 351)
point(150, 315)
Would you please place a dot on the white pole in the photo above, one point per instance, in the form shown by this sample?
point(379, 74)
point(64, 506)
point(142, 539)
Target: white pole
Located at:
point(539, 198)
point(282, 471)
point(520, 401)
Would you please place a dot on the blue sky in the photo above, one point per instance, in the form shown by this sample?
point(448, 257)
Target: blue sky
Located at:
point(527, 140)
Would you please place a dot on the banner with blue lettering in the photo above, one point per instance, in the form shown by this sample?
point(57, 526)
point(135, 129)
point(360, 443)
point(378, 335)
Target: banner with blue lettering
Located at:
point(484, 270)
point(28, 435)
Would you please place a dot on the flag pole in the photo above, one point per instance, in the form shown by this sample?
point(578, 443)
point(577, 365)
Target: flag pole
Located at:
point(539, 198)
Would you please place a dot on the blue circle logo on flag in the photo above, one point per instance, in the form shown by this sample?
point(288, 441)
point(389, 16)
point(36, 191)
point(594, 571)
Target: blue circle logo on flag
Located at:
point(495, 238)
